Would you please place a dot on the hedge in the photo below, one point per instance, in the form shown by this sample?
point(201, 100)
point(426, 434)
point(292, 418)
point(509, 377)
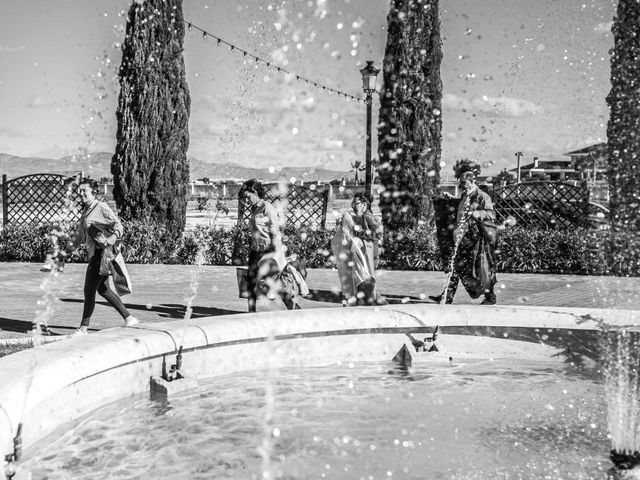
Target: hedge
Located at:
point(580, 251)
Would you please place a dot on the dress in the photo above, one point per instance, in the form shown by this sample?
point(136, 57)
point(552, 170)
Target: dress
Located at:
point(354, 260)
point(474, 261)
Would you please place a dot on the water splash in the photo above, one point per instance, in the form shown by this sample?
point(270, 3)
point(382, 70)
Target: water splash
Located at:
point(192, 292)
point(269, 431)
point(621, 367)
point(621, 356)
point(463, 220)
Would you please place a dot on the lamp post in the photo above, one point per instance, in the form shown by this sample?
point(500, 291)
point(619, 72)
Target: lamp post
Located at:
point(518, 154)
point(369, 74)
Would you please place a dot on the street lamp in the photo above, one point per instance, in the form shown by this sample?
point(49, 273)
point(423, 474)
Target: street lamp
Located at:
point(369, 74)
point(518, 154)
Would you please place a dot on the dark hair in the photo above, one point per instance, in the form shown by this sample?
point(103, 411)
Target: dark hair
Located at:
point(468, 176)
point(91, 182)
point(252, 186)
point(360, 197)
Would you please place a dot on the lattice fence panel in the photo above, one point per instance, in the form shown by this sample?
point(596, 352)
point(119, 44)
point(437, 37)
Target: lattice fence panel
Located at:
point(547, 205)
point(298, 205)
point(40, 198)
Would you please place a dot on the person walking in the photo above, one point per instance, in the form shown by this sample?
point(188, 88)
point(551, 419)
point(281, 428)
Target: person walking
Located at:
point(474, 255)
point(266, 250)
point(100, 231)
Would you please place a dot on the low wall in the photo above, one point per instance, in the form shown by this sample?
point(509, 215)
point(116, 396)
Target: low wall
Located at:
point(49, 385)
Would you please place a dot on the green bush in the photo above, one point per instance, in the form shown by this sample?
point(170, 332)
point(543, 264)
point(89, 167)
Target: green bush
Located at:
point(30, 242)
point(578, 252)
point(312, 245)
point(410, 249)
point(146, 241)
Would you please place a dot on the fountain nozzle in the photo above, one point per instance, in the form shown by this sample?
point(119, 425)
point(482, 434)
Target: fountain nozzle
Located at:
point(14, 456)
point(175, 372)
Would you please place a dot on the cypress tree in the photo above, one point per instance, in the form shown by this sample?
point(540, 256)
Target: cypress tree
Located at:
point(150, 166)
point(409, 134)
point(623, 129)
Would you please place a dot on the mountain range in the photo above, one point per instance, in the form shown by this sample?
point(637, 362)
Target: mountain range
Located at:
point(97, 165)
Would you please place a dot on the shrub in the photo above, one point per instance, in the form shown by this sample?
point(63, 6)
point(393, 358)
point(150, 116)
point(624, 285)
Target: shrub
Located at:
point(146, 241)
point(30, 242)
point(410, 249)
point(312, 245)
point(581, 252)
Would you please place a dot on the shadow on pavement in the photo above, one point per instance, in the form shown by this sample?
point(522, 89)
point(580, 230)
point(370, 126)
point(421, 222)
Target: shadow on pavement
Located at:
point(167, 310)
point(10, 325)
point(324, 296)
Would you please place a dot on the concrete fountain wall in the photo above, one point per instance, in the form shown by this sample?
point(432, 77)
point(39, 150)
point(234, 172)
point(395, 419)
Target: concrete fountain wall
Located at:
point(49, 385)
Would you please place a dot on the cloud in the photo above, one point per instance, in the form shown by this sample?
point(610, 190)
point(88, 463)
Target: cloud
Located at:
point(9, 132)
point(6, 49)
point(495, 106)
point(604, 28)
point(37, 102)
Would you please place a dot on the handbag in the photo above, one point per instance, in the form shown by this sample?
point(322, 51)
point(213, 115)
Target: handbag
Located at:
point(120, 276)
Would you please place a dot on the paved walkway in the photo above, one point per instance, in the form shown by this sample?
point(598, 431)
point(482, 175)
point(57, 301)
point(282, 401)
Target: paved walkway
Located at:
point(160, 293)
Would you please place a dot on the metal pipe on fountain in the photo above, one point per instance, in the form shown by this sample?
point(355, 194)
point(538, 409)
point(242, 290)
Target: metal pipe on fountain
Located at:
point(13, 457)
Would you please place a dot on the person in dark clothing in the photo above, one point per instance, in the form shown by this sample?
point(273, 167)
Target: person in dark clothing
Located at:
point(473, 260)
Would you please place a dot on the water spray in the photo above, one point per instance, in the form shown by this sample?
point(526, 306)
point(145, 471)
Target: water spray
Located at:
point(174, 380)
point(463, 220)
point(621, 367)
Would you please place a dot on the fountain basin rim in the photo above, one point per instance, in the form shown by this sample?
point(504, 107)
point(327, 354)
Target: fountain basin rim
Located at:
point(120, 360)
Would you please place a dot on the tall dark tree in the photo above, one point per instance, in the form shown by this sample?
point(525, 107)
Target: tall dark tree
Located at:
point(150, 166)
point(409, 134)
point(623, 129)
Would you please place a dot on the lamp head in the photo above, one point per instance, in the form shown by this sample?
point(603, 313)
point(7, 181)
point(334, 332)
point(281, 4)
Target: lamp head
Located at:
point(369, 74)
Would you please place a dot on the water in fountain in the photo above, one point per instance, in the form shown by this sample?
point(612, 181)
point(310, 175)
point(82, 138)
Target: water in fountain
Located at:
point(621, 368)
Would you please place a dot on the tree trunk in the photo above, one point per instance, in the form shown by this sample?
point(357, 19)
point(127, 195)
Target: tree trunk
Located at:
point(409, 134)
point(623, 129)
point(150, 166)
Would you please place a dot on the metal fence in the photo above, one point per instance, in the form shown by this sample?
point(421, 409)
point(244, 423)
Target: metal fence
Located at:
point(548, 205)
point(40, 198)
point(300, 206)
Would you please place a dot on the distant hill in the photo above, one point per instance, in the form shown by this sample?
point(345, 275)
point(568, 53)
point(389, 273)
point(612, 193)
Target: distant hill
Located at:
point(97, 165)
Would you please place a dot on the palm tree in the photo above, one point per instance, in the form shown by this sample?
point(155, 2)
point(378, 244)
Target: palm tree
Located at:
point(357, 166)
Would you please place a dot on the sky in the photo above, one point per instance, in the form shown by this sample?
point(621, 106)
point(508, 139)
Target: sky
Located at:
point(517, 76)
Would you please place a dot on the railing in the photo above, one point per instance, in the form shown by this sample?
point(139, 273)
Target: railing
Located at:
point(40, 198)
point(551, 205)
point(299, 205)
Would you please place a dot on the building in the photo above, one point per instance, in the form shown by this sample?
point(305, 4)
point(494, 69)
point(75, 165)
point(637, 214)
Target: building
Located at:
point(587, 164)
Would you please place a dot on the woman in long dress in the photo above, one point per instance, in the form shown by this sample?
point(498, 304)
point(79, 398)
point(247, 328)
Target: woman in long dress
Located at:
point(353, 249)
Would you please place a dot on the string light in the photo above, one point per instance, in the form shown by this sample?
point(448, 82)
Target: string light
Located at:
point(257, 59)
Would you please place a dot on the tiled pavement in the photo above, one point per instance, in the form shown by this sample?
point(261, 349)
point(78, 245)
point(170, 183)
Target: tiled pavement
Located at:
point(160, 293)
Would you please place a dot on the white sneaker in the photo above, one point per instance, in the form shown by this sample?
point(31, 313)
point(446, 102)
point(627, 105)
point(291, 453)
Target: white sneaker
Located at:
point(131, 321)
point(78, 333)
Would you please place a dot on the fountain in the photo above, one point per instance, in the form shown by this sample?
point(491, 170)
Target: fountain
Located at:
point(68, 380)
